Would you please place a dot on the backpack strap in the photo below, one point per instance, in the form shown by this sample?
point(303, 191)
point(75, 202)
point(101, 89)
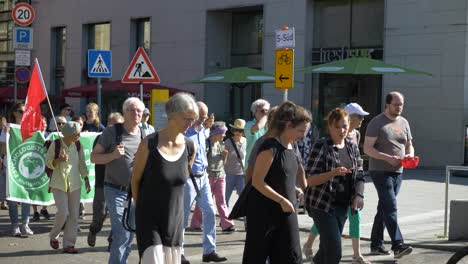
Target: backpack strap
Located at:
point(118, 133)
point(57, 148)
point(78, 145)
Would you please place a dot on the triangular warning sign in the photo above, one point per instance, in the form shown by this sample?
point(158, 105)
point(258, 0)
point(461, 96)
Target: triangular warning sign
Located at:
point(141, 69)
point(100, 66)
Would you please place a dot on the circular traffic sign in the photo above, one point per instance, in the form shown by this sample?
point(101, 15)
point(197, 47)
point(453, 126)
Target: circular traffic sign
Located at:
point(23, 14)
point(22, 74)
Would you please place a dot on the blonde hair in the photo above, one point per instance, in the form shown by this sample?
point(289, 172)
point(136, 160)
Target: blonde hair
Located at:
point(95, 108)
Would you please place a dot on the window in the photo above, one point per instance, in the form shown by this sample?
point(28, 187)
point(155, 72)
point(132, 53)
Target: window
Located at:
point(6, 5)
point(141, 31)
point(59, 39)
point(6, 31)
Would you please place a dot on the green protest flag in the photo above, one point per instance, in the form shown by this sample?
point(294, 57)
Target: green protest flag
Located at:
point(26, 178)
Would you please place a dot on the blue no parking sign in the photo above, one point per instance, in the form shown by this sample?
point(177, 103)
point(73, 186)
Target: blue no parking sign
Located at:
point(22, 74)
point(99, 63)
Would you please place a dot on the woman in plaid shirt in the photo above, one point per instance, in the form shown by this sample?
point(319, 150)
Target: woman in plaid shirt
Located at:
point(335, 183)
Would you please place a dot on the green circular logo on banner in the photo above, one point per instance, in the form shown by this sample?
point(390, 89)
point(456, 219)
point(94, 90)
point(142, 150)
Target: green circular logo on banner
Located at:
point(29, 164)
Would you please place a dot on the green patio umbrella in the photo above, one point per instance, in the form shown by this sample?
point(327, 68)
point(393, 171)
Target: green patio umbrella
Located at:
point(360, 65)
point(240, 75)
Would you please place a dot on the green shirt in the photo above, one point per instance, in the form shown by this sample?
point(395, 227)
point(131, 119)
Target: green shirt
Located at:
point(252, 137)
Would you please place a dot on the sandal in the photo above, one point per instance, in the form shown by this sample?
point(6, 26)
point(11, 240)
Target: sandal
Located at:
point(360, 260)
point(54, 244)
point(70, 250)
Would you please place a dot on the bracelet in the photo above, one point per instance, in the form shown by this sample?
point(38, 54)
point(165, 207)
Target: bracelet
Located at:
point(360, 195)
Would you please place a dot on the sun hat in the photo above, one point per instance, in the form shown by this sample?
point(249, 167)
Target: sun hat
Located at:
point(355, 108)
point(71, 128)
point(238, 124)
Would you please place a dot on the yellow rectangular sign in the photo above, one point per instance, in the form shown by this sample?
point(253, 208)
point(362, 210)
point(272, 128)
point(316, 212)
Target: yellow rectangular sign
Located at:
point(284, 69)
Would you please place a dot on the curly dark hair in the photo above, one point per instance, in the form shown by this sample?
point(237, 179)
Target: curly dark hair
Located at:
point(289, 112)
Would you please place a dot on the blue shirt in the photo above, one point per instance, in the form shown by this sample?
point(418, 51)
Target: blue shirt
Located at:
point(198, 137)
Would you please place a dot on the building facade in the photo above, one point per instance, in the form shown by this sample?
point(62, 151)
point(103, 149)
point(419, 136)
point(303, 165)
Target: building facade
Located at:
point(188, 39)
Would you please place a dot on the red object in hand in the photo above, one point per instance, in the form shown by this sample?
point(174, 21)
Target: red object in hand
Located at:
point(410, 162)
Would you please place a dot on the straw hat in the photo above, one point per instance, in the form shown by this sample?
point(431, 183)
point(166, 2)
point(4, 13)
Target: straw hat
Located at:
point(238, 124)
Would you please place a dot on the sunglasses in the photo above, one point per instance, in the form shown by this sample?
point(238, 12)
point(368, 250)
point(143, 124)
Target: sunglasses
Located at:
point(264, 111)
point(234, 130)
point(19, 111)
point(60, 123)
point(68, 109)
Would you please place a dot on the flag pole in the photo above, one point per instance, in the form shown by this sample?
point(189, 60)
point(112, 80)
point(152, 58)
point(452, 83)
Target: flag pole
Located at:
point(36, 64)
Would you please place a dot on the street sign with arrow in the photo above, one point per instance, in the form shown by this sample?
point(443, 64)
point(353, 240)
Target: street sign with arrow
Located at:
point(284, 68)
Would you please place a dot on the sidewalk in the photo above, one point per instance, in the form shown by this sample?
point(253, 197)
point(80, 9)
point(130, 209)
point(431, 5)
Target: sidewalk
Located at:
point(421, 204)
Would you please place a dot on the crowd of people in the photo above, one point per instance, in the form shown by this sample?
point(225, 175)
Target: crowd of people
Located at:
point(277, 160)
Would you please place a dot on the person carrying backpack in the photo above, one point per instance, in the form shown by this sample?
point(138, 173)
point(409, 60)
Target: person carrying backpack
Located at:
point(65, 184)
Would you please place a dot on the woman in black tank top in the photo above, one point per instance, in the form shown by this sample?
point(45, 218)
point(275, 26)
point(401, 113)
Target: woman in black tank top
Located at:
point(159, 174)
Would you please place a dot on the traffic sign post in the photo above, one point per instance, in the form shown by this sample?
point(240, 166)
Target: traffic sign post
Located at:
point(23, 14)
point(23, 38)
point(99, 66)
point(141, 71)
point(284, 59)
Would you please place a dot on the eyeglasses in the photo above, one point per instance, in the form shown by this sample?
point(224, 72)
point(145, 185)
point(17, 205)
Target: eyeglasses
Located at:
point(264, 111)
point(203, 118)
point(189, 120)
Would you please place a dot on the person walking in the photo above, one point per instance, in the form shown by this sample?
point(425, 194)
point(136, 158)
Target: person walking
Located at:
point(217, 156)
point(256, 127)
point(272, 229)
point(148, 128)
point(336, 183)
point(99, 202)
point(204, 199)
point(65, 184)
point(356, 115)
point(116, 149)
point(158, 178)
point(388, 139)
point(15, 116)
point(235, 164)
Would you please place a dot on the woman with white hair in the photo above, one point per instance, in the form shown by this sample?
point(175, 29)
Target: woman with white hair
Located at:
point(256, 127)
point(158, 178)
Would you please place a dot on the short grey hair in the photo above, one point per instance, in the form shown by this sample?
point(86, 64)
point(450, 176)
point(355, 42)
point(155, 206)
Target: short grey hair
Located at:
point(259, 103)
point(132, 101)
point(181, 103)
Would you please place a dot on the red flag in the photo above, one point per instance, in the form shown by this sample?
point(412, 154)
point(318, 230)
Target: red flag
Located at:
point(32, 117)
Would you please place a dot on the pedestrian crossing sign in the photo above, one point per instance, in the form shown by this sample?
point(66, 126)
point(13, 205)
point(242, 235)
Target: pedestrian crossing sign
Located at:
point(99, 63)
point(141, 69)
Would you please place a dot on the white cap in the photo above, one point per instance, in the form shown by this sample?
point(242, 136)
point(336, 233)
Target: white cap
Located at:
point(355, 108)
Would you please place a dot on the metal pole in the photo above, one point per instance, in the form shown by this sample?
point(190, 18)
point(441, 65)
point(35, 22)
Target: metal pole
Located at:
point(141, 92)
point(15, 91)
point(99, 88)
point(285, 95)
point(447, 183)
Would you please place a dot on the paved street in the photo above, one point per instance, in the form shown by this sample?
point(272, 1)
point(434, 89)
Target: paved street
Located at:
point(421, 204)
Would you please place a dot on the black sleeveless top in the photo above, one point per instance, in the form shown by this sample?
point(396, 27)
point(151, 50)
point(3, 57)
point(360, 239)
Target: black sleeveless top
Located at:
point(159, 212)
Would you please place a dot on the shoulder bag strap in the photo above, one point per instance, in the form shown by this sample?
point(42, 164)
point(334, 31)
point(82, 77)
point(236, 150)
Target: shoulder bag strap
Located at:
point(237, 153)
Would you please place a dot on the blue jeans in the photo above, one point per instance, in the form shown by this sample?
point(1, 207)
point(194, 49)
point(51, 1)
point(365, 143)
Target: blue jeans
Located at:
point(388, 185)
point(331, 227)
point(121, 238)
point(13, 211)
point(234, 182)
point(205, 202)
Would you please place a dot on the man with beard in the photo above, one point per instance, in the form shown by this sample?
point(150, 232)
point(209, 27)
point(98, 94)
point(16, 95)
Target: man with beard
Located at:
point(388, 139)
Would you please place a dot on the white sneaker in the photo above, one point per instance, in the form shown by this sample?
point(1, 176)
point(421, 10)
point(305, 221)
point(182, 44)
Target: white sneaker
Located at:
point(26, 231)
point(15, 231)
